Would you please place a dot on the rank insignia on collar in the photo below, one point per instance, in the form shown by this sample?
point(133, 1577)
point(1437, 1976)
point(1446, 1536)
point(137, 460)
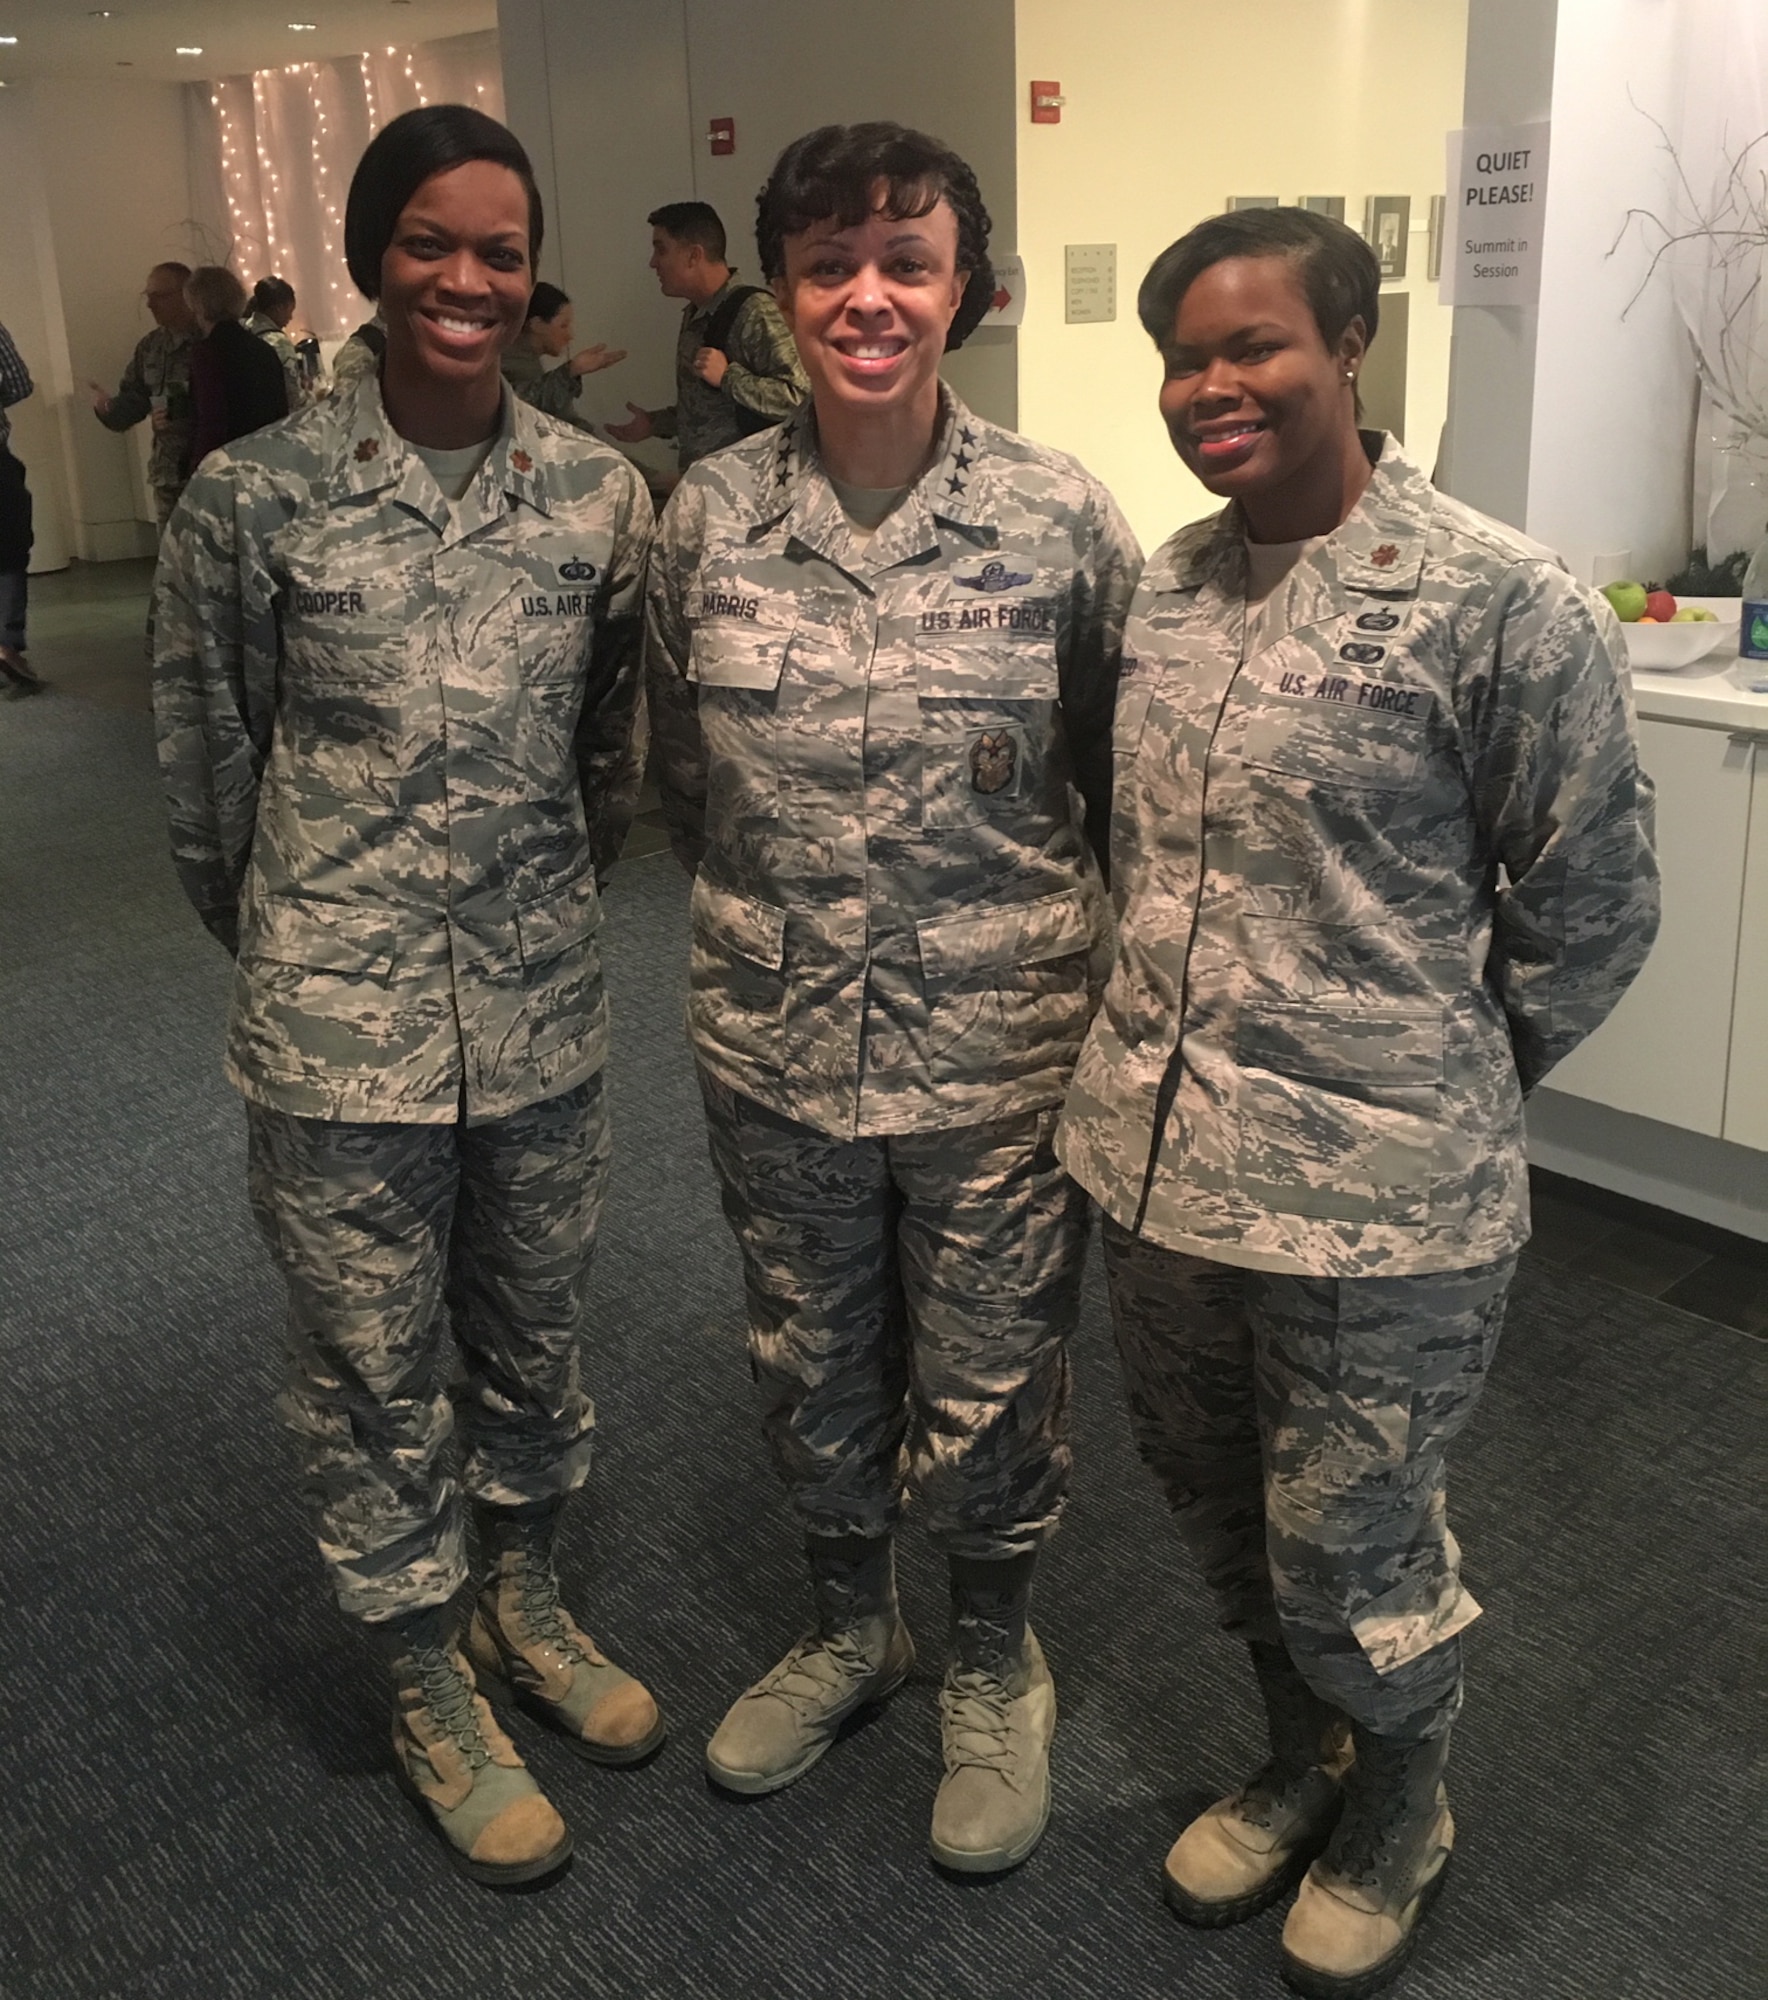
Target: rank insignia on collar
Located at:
point(994, 575)
point(1385, 557)
point(993, 757)
point(521, 461)
point(367, 448)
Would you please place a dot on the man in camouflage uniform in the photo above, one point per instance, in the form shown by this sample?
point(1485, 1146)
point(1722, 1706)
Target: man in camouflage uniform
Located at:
point(1382, 856)
point(751, 379)
point(396, 734)
point(872, 745)
point(156, 385)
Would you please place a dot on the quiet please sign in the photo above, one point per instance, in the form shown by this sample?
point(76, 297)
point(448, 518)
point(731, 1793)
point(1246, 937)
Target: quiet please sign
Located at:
point(1497, 201)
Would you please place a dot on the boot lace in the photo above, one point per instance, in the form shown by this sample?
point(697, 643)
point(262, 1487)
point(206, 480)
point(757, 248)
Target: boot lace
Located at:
point(816, 1672)
point(448, 1695)
point(975, 1708)
point(542, 1613)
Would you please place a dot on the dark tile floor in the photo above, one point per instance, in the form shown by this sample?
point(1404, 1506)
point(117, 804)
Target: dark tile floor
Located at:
point(1650, 1252)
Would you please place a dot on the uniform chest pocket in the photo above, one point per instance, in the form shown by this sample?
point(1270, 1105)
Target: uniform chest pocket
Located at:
point(737, 663)
point(341, 631)
point(553, 634)
point(1333, 746)
point(995, 648)
point(745, 651)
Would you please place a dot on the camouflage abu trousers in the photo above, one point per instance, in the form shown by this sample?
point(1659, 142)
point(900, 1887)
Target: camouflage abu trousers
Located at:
point(1298, 1426)
point(910, 1302)
point(386, 1236)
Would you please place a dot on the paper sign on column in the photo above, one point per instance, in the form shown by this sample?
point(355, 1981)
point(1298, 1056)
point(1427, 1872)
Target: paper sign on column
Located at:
point(1007, 308)
point(1497, 203)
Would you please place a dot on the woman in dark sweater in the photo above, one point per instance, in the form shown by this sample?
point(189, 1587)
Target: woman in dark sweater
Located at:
point(236, 381)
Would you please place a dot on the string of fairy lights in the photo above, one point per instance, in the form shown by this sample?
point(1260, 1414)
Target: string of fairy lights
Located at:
point(289, 139)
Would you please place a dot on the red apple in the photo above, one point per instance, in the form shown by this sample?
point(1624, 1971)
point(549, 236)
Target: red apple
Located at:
point(1659, 604)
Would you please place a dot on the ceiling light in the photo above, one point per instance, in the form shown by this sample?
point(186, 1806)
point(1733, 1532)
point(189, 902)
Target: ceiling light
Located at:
point(8, 41)
point(303, 27)
point(187, 52)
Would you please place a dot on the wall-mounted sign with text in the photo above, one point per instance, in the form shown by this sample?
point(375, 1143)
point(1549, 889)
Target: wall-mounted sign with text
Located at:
point(1007, 307)
point(1497, 202)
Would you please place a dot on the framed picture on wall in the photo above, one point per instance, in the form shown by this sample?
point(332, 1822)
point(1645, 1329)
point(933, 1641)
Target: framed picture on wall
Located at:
point(1323, 204)
point(1254, 201)
point(1386, 219)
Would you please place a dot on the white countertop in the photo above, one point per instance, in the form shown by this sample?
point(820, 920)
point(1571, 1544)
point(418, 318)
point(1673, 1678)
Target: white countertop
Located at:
point(1710, 694)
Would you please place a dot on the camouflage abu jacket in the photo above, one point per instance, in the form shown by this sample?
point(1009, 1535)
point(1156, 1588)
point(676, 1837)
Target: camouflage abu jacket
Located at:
point(1377, 871)
point(396, 736)
point(874, 758)
point(554, 390)
point(765, 377)
point(160, 366)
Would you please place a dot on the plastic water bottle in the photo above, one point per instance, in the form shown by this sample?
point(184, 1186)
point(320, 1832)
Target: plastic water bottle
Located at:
point(1753, 638)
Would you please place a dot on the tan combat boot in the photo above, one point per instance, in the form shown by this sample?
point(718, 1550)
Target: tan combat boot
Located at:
point(1248, 1849)
point(1356, 1919)
point(463, 1773)
point(997, 1716)
point(855, 1657)
point(531, 1654)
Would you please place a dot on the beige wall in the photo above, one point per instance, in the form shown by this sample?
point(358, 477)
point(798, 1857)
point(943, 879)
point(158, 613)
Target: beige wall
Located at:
point(1173, 105)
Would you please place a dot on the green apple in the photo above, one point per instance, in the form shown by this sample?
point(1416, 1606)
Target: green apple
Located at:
point(1628, 600)
point(1694, 614)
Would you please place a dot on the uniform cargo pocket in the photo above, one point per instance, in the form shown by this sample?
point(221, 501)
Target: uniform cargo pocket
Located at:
point(1338, 1111)
point(1329, 745)
point(327, 937)
point(737, 983)
point(562, 996)
point(1006, 988)
point(553, 924)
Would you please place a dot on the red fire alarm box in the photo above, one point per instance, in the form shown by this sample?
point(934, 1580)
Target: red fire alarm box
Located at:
point(1046, 103)
point(721, 135)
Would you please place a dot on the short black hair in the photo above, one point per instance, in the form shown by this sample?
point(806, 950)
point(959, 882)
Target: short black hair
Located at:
point(1339, 274)
point(401, 157)
point(547, 301)
point(272, 294)
point(692, 222)
point(829, 176)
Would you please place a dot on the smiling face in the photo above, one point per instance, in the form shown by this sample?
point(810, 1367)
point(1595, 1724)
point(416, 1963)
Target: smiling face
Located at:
point(870, 307)
point(1254, 399)
point(455, 278)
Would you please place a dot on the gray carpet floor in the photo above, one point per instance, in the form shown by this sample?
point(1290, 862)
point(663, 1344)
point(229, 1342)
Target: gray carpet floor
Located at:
point(193, 1801)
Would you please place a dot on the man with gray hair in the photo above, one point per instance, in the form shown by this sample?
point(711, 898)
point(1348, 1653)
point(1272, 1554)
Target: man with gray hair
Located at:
point(156, 385)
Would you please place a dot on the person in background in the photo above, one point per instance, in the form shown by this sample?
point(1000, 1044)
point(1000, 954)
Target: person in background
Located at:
point(15, 527)
point(156, 385)
point(271, 309)
point(736, 368)
point(883, 650)
point(1382, 856)
point(398, 647)
point(546, 336)
point(237, 381)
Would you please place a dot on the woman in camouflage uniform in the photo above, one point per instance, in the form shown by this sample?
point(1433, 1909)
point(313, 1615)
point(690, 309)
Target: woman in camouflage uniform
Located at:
point(884, 646)
point(546, 336)
point(395, 680)
point(1382, 856)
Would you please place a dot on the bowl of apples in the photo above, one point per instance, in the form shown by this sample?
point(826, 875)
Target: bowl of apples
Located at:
point(1665, 634)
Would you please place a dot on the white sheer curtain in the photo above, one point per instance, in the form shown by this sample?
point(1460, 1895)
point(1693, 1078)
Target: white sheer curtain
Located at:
point(283, 144)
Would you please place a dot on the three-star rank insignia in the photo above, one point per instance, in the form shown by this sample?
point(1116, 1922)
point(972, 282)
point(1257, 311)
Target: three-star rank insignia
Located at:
point(1385, 557)
point(521, 461)
point(367, 448)
point(993, 758)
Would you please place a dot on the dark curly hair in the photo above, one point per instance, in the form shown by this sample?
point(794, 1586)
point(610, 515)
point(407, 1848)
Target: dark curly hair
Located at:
point(401, 157)
point(830, 176)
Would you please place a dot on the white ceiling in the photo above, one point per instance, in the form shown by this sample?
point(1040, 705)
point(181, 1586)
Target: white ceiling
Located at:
point(69, 37)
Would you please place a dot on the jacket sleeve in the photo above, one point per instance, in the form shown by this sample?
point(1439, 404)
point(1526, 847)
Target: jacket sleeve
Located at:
point(15, 377)
point(679, 750)
point(553, 390)
point(764, 372)
point(610, 742)
point(215, 652)
point(1108, 563)
point(132, 401)
point(1565, 809)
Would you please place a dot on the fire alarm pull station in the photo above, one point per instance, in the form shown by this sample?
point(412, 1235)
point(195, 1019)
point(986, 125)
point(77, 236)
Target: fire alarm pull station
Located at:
point(1046, 103)
point(721, 135)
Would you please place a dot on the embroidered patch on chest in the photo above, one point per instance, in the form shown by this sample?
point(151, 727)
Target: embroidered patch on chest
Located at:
point(994, 756)
point(577, 571)
point(991, 576)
